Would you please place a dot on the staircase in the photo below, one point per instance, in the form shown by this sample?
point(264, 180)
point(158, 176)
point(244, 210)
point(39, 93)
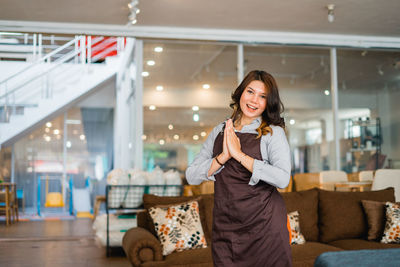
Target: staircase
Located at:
point(48, 86)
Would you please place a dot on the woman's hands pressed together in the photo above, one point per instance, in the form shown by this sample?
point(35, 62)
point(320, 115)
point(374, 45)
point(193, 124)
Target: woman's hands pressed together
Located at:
point(232, 141)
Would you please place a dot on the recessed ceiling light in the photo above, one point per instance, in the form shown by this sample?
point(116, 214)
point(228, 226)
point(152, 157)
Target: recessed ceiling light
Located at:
point(195, 108)
point(327, 92)
point(56, 131)
point(170, 126)
point(145, 73)
point(292, 121)
point(152, 107)
point(68, 144)
point(195, 137)
point(47, 138)
point(162, 142)
point(196, 117)
point(48, 124)
point(82, 137)
point(144, 137)
point(206, 86)
point(151, 62)
point(159, 88)
point(176, 137)
point(158, 49)
point(203, 134)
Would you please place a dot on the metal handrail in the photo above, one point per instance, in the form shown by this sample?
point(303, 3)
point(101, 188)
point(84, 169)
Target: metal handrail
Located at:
point(55, 65)
point(42, 59)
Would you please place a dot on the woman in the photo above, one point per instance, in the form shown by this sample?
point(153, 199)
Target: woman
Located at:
point(248, 156)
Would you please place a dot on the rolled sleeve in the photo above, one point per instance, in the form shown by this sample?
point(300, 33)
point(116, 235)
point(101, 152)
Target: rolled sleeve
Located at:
point(197, 172)
point(275, 167)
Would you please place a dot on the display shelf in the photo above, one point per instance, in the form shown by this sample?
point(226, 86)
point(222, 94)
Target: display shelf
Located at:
point(123, 199)
point(368, 141)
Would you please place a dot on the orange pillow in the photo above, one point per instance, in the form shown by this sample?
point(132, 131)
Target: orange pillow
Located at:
point(289, 229)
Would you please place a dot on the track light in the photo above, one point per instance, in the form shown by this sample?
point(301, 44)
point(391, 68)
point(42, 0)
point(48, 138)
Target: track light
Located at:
point(134, 10)
point(331, 14)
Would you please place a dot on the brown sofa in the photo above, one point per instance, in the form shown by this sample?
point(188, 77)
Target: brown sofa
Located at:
point(329, 221)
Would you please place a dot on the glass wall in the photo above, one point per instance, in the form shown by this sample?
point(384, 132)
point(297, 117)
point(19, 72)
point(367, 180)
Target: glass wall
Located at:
point(303, 77)
point(368, 109)
point(88, 149)
point(187, 88)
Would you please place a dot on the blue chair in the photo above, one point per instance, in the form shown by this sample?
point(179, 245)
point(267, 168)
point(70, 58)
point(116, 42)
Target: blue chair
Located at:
point(389, 257)
point(20, 195)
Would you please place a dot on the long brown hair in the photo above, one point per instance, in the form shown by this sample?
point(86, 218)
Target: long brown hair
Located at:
point(274, 108)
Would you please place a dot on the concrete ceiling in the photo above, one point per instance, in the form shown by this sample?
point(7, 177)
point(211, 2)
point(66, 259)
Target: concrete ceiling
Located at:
point(367, 17)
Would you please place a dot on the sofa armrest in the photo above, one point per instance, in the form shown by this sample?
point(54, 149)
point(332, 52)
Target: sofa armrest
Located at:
point(141, 246)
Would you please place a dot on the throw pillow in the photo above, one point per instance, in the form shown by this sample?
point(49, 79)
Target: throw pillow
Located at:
point(375, 213)
point(296, 236)
point(178, 227)
point(392, 228)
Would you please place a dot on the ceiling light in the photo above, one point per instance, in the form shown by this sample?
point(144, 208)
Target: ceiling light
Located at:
point(162, 142)
point(144, 137)
point(195, 137)
point(170, 126)
point(56, 131)
point(151, 62)
point(73, 122)
point(203, 134)
point(380, 71)
point(82, 137)
point(176, 137)
point(68, 144)
point(206, 86)
point(48, 124)
point(145, 73)
point(47, 138)
point(159, 88)
point(152, 107)
point(283, 60)
point(327, 92)
point(331, 15)
point(47, 130)
point(158, 49)
point(134, 10)
point(195, 108)
point(292, 121)
point(196, 117)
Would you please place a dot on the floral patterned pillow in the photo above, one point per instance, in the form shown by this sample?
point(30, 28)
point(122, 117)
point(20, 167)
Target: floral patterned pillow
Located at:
point(178, 227)
point(392, 227)
point(297, 237)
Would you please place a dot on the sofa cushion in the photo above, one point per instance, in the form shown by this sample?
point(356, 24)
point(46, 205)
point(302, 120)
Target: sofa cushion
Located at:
point(341, 215)
point(305, 254)
point(296, 237)
point(306, 203)
point(355, 244)
point(375, 213)
point(206, 204)
point(392, 227)
point(178, 226)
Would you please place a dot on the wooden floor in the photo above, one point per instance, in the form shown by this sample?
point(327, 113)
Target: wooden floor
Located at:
point(54, 243)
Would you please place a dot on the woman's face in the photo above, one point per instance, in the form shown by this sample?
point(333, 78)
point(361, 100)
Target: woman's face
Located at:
point(253, 100)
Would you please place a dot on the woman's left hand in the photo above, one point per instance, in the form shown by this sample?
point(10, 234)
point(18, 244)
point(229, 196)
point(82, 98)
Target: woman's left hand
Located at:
point(233, 141)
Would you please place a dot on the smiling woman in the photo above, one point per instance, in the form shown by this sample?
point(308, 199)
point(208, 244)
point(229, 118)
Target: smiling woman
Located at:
point(248, 156)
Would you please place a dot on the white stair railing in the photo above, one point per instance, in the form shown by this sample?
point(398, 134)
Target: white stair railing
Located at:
point(38, 79)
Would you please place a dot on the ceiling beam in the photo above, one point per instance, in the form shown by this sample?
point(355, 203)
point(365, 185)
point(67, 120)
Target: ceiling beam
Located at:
point(222, 35)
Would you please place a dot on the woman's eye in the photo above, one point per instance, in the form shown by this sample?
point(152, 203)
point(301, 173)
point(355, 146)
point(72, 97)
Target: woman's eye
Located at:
point(263, 96)
point(249, 91)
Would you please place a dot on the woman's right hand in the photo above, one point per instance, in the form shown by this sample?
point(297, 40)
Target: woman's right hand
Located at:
point(224, 156)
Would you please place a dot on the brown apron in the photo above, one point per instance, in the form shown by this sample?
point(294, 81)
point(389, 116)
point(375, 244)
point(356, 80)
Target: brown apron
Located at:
point(250, 222)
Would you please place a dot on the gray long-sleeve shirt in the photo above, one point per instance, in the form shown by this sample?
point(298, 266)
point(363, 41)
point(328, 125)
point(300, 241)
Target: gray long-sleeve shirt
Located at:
point(274, 168)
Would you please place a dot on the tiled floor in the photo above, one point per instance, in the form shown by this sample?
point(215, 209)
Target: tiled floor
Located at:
point(53, 243)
